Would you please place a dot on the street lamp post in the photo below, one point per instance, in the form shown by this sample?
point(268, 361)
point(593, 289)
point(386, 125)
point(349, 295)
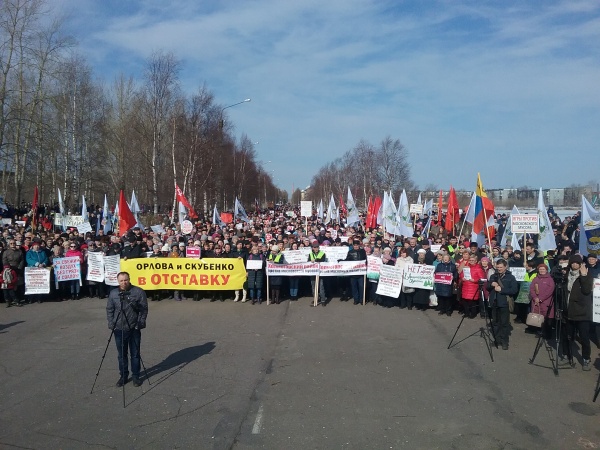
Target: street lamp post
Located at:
point(221, 123)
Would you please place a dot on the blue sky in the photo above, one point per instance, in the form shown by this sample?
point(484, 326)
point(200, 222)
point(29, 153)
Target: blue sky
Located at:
point(510, 89)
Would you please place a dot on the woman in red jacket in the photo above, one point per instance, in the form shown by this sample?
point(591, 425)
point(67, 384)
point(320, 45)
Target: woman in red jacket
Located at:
point(75, 285)
point(541, 294)
point(470, 272)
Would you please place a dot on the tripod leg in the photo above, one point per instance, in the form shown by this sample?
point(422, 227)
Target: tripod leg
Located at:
point(124, 359)
point(144, 366)
point(597, 389)
point(456, 332)
point(112, 331)
point(102, 360)
point(538, 345)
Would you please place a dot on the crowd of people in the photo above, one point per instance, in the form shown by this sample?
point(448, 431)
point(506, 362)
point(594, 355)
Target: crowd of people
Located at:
point(477, 279)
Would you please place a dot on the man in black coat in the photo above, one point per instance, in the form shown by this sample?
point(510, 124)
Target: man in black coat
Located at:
point(357, 282)
point(501, 286)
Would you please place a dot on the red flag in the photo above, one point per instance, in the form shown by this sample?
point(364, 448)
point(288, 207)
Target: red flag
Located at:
point(343, 208)
point(34, 207)
point(440, 206)
point(376, 208)
point(181, 198)
point(452, 215)
point(126, 218)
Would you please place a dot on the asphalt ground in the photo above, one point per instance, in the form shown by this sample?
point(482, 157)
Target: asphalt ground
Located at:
point(228, 375)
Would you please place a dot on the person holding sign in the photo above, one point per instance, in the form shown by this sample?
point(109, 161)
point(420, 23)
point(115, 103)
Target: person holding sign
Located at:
point(36, 257)
point(317, 255)
point(470, 273)
point(357, 282)
point(276, 281)
point(255, 272)
point(75, 285)
point(445, 276)
point(502, 285)
point(580, 286)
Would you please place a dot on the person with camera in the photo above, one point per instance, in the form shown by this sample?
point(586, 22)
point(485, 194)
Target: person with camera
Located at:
point(580, 286)
point(502, 285)
point(126, 312)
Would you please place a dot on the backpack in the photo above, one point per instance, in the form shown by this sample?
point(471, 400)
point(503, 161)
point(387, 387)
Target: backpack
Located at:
point(7, 276)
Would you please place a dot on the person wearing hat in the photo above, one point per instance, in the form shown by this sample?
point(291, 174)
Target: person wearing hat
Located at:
point(429, 255)
point(317, 255)
point(592, 265)
point(132, 249)
point(357, 282)
point(580, 286)
point(276, 257)
point(501, 286)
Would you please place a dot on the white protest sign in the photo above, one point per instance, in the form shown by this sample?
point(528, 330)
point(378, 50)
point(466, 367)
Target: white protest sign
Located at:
point(69, 221)
point(518, 273)
point(416, 208)
point(335, 253)
point(418, 276)
point(254, 264)
point(390, 281)
point(6, 221)
point(296, 256)
point(596, 307)
point(373, 267)
point(95, 267)
point(66, 269)
point(112, 266)
point(37, 280)
point(467, 274)
point(306, 208)
point(436, 248)
point(84, 227)
point(344, 268)
point(186, 227)
point(525, 223)
point(157, 229)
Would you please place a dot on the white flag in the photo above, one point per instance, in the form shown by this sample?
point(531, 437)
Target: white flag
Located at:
point(216, 218)
point(320, 212)
point(352, 218)
point(240, 212)
point(61, 207)
point(546, 240)
point(589, 229)
point(106, 219)
point(84, 211)
point(330, 210)
point(404, 224)
point(508, 235)
point(135, 209)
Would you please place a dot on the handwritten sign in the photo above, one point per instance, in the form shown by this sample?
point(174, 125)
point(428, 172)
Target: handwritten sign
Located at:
point(186, 227)
point(306, 208)
point(373, 267)
point(95, 267)
point(37, 280)
point(112, 266)
point(416, 208)
point(390, 281)
point(66, 269)
point(68, 221)
point(518, 273)
point(418, 276)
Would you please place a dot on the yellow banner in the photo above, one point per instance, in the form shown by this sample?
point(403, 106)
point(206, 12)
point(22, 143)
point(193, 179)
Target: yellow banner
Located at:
point(212, 274)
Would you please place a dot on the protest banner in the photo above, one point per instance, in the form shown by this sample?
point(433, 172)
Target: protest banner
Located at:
point(20, 223)
point(416, 208)
point(37, 280)
point(95, 270)
point(292, 270)
point(443, 278)
point(6, 221)
point(596, 307)
point(525, 223)
point(215, 274)
point(418, 276)
point(84, 227)
point(373, 267)
point(66, 269)
point(390, 281)
point(518, 273)
point(343, 268)
point(192, 252)
point(112, 267)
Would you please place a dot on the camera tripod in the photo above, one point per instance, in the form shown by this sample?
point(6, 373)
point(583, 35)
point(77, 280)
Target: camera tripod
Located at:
point(487, 333)
point(556, 304)
point(112, 332)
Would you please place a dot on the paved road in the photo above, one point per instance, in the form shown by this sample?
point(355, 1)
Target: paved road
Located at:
point(236, 376)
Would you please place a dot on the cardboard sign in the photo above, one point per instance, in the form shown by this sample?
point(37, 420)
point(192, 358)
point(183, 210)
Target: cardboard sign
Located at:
point(418, 276)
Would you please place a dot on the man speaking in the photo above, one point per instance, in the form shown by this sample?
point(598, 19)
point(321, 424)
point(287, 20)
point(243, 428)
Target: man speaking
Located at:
point(126, 312)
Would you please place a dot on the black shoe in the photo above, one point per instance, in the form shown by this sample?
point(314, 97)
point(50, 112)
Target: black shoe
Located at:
point(448, 314)
point(441, 313)
point(121, 382)
point(137, 382)
point(504, 346)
